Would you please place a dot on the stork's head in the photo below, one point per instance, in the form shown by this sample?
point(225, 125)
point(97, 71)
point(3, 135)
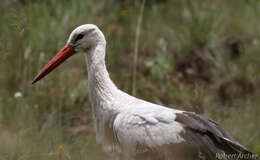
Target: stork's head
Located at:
point(82, 38)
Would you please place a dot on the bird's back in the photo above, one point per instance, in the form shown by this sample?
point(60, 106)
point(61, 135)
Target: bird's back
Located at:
point(149, 130)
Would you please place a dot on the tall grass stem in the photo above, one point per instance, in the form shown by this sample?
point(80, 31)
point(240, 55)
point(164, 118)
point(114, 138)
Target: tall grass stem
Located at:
point(137, 37)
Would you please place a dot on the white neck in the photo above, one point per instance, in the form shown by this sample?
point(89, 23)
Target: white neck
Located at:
point(102, 91)
point(100, 85)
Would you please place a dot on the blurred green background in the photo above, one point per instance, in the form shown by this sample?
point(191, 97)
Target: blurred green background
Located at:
point(201, 56)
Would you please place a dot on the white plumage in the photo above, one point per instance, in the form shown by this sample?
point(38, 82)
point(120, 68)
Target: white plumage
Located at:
point(147, 124)
point(137, 126)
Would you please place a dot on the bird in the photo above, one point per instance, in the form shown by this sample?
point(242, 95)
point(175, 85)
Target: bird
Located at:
point(140, 129)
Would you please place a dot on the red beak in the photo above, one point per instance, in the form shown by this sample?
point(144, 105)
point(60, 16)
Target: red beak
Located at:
point(60, 57)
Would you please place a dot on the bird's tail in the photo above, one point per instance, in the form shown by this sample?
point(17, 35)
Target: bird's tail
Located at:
point(237, 151)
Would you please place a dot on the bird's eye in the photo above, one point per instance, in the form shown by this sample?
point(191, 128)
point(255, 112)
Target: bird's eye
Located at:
point(80, 36)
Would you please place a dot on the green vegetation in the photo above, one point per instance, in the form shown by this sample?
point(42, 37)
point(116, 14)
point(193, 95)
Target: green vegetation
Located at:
point(201, 56)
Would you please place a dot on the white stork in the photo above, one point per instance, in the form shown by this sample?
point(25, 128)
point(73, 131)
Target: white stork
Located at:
point(140, 128)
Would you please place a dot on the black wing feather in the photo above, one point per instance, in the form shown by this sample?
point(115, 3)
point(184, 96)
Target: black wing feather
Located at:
point(209, 136)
